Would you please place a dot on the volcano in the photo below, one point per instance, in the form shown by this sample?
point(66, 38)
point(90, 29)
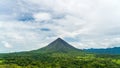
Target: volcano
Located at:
point(58, 45)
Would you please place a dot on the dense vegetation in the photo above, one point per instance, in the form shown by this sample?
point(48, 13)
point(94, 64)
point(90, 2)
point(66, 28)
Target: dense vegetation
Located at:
point(59, 60)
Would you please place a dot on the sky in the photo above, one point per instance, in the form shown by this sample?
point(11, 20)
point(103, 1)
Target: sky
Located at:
point(31, 24)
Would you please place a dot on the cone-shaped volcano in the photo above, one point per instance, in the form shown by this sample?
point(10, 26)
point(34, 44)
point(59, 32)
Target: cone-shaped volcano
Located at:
point(59, 45)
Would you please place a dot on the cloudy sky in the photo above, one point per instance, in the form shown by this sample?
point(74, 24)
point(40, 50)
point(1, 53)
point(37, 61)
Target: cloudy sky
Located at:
point(32, 24)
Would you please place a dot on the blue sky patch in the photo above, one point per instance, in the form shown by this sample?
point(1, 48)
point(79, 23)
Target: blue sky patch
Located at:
point(45, 29)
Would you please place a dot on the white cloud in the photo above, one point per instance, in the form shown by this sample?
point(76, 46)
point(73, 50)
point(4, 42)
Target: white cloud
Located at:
point(94, 23)
point(42, 16)
point(6, 44)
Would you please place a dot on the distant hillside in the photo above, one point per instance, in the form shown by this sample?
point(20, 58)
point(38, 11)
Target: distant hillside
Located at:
point(115, 50)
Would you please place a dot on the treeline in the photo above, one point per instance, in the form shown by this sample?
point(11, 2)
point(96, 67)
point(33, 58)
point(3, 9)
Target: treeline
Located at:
point(48, 61)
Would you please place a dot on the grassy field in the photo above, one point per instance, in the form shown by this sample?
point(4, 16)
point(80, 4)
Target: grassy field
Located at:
point(116, 61)
point(1, 61)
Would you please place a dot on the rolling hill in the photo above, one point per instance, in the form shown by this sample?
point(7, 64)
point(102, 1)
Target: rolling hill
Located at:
point(115, 50)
